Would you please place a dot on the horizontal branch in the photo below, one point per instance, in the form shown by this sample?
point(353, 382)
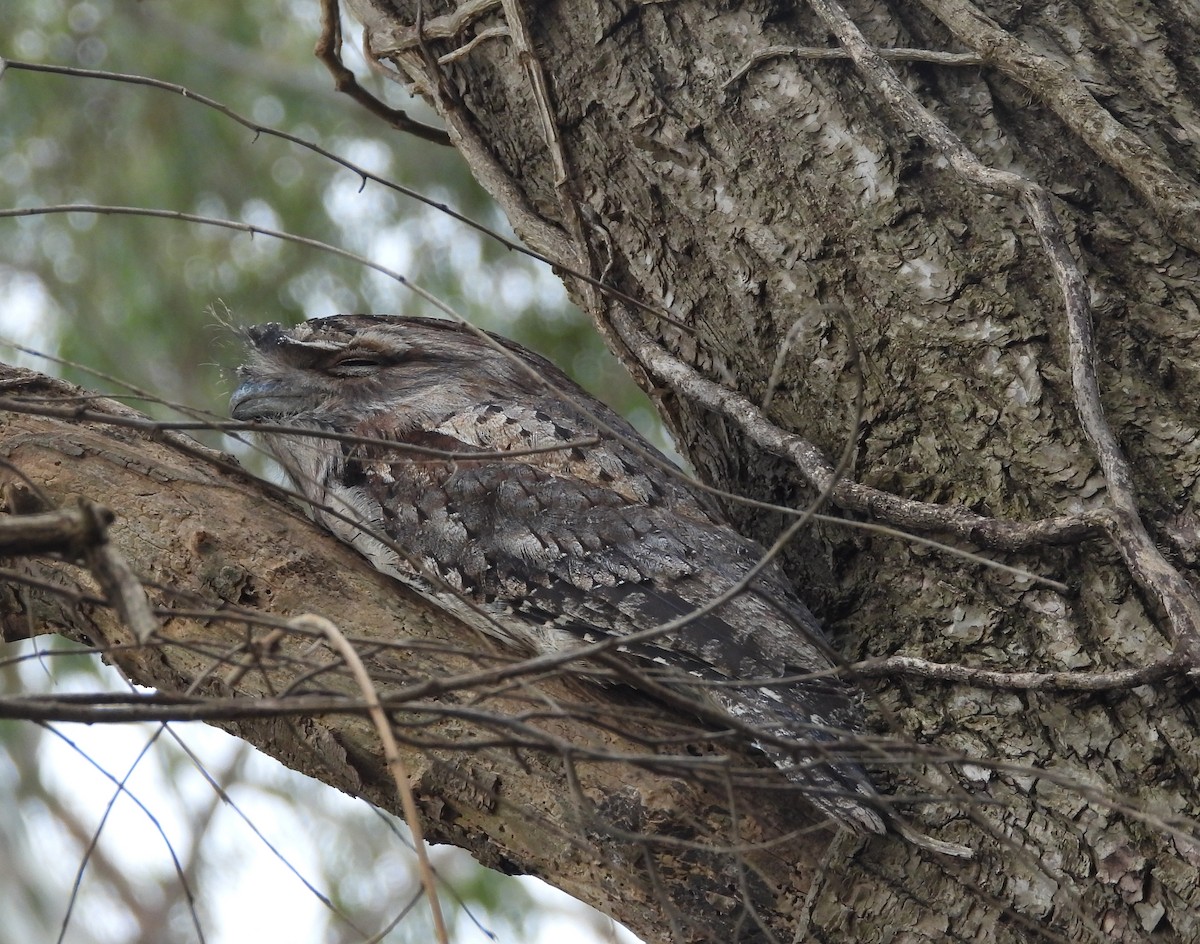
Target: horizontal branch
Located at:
point(1023, 681)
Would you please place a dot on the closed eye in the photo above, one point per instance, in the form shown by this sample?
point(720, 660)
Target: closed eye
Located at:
point(357, 366)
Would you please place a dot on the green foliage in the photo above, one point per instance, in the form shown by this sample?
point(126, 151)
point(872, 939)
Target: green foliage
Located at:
point(149, 304)
point(136, 298)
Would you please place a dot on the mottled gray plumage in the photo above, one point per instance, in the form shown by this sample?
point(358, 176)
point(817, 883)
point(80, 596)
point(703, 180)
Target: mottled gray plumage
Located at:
point(557, 548)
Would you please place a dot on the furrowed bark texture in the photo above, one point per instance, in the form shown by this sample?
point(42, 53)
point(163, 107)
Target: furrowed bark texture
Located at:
point(700, 160)
point(491, 764)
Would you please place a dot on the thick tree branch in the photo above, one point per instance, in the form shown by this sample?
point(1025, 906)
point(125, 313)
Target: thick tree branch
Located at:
point(206, 539)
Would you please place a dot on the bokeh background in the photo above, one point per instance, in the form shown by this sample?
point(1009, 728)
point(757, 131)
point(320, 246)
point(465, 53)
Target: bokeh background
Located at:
point(147, 310)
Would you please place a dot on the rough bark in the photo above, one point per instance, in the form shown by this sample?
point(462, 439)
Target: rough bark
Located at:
point(975, 214)
point(629, 141)
point(530, 773)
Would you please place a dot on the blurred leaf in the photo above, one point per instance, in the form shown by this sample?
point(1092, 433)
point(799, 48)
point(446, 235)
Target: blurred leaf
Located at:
point(145, 302)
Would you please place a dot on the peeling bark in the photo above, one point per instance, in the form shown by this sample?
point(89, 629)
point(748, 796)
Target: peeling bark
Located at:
point(1029, 173)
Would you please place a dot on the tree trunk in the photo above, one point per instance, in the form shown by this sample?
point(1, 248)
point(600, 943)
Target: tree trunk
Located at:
point(946, 225)
point(943, 226)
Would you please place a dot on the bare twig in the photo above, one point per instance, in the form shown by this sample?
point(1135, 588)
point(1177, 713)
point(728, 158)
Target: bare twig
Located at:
point(942, 547)
point(81, 532)
point(391, 753)
point(67, 530)
point(84, 415)
point(797, 331)
point(122, 587)
point(238, 226)
point(554, 251)
point(934, 56)
point(996, 533)
point(494, 32)
point(122, 788)
point(1121, 679)
point(548, 240)
point(328, 52)
point(447, 26)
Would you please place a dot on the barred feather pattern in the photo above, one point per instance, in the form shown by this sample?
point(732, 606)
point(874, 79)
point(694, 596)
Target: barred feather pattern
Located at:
point(554, 548)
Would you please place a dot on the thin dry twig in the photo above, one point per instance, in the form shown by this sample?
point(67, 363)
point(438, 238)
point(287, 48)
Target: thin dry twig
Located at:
point(328, 51)
point(995, 533)
point(943, 548)
point(494, 32)
point(892, 54)
point(81, 532)
point(553, 252)
point(447, 26)
point(800, 327)
point(391, 752)
point(236, 225)
point(67, 530)
point(1121, 679)
point(547, 240)
point(123, 789)
point(122, 586)
point(84, 415)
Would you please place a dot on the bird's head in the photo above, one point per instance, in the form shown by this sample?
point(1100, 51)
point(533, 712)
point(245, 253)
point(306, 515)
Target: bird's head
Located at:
point(327, 370)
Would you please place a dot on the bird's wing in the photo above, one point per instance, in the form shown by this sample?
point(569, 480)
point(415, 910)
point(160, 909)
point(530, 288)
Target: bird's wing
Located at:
point(571, 547)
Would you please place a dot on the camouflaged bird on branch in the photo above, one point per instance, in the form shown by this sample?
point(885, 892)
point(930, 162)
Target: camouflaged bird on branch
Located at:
point(508, 522)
